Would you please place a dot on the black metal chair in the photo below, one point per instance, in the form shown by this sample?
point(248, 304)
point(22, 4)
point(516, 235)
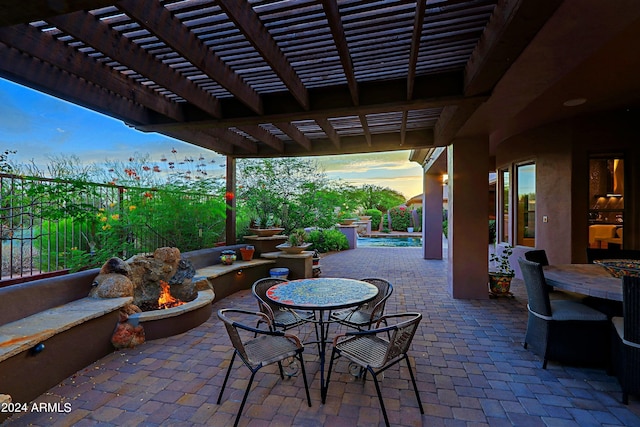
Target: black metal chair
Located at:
point(563, 330)
point(264, 348)
point(282, 318)
point(375, 353)
point(369, 313)
point(626, 339)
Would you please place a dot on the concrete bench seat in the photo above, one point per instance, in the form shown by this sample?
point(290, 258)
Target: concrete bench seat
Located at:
point(22, 335)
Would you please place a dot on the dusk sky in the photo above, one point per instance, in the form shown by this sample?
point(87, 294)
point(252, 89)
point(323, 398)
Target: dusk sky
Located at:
point(39, 126)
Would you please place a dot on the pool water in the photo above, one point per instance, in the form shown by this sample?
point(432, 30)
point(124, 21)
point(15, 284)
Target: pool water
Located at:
point(397, 242)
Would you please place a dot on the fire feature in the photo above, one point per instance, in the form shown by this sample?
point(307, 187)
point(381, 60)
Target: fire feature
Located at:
point(165, 300)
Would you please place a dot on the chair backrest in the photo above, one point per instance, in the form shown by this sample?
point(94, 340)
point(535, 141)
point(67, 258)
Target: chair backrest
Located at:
point(232, 330)
point(537, 291)
point(537, 255)
point(631, 308)
point(385, 289)
point(402, 335)
point(259, 290)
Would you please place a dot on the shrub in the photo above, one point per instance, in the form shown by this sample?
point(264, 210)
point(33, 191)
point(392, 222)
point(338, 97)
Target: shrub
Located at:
point(376, 217)
point(327, 240)
point(400, 218)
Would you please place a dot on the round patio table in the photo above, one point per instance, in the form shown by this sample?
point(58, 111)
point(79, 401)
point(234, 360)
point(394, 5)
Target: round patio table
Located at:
point(322, 295)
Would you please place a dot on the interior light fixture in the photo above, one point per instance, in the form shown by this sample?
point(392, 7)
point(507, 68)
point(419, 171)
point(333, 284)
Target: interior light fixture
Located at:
point(614, 195)
point(574, 102)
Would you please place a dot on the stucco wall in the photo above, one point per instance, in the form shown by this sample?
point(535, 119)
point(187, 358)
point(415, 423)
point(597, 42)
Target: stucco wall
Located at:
point(561, 153)
point(550, 149)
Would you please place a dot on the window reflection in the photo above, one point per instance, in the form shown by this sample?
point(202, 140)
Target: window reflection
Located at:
point(526, 210)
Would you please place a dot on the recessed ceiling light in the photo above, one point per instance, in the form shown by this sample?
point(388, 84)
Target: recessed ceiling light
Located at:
point(574, 102)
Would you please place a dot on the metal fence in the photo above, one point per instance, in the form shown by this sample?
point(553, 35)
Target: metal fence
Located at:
point(47, 225)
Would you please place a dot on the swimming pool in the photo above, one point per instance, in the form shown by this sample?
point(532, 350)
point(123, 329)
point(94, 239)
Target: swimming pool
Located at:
point(399, 242)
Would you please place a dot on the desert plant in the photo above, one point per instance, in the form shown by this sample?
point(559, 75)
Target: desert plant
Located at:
point(297, 237)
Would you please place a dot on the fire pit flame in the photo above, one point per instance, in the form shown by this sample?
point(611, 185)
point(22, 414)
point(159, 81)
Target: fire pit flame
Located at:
point(165, 300)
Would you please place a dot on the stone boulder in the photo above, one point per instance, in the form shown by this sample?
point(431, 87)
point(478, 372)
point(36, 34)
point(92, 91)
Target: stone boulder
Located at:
point(111, 285)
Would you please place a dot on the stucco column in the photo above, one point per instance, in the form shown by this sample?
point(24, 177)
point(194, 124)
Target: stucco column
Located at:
point(468, 166)
point(432, 216)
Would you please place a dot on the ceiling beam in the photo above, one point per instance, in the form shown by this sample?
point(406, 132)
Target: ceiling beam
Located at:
point(40, 45)
point(264, 136)
point(340, 40)
point(330, 103)
point(159, 21)
point(295, 134)
point(352, 145)
point(365, 128)
point(234, 138)
point(84, 26)
point(43, 77)
point(452, 119)
point(512, 26)
point(19, 12)
point(247, 20)
point(418, 22)
point(329, 130)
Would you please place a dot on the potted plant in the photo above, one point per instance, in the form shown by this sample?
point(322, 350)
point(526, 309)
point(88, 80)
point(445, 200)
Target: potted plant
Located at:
point(296, 243)
point(500, 278)
point(265, 225)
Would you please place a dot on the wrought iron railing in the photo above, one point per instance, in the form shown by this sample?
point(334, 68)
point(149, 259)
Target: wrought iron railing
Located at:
point(47, 225)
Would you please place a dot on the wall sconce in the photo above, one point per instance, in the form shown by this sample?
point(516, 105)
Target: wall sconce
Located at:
point(445, 178)
point(239, 273)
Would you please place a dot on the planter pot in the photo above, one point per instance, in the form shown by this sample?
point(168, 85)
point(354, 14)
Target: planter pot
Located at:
point(227, 259)
point(247, 254)
point(500, 284)
point(410, 229)
point(293, 249)
point(266, 232)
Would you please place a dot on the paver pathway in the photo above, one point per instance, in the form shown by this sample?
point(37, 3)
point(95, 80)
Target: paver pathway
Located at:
point(471, 369)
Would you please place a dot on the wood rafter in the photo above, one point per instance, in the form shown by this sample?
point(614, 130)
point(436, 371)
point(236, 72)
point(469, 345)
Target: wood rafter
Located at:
point(84, 26)
point(329, 130)
point(295, 134)
point(241, 12)
point(32, 42)
point(339, 38)
point(158, 20)
point(263, 135)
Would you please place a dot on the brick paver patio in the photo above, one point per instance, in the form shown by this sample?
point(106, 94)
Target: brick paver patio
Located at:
point(471, 369)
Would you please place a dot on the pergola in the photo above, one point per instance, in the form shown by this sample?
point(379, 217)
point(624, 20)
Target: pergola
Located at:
point(277, 78)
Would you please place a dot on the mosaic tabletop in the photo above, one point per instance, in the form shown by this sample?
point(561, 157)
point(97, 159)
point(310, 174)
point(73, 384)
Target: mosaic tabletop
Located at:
point(322, 293)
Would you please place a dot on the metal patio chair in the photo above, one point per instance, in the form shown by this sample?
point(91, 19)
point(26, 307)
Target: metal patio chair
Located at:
point(282, 318)
point(265, 348)
point(369, 313)
point(373, 352)
point(626, 339)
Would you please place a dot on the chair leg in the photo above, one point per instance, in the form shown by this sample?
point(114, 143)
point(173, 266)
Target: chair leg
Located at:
point(244, 398)
point(375, 381)
point(415, 386)
point(304, 377)
point(226, 377)
point(334, 355)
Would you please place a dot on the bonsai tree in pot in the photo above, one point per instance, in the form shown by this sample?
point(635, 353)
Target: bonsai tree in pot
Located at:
point(500, 277)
